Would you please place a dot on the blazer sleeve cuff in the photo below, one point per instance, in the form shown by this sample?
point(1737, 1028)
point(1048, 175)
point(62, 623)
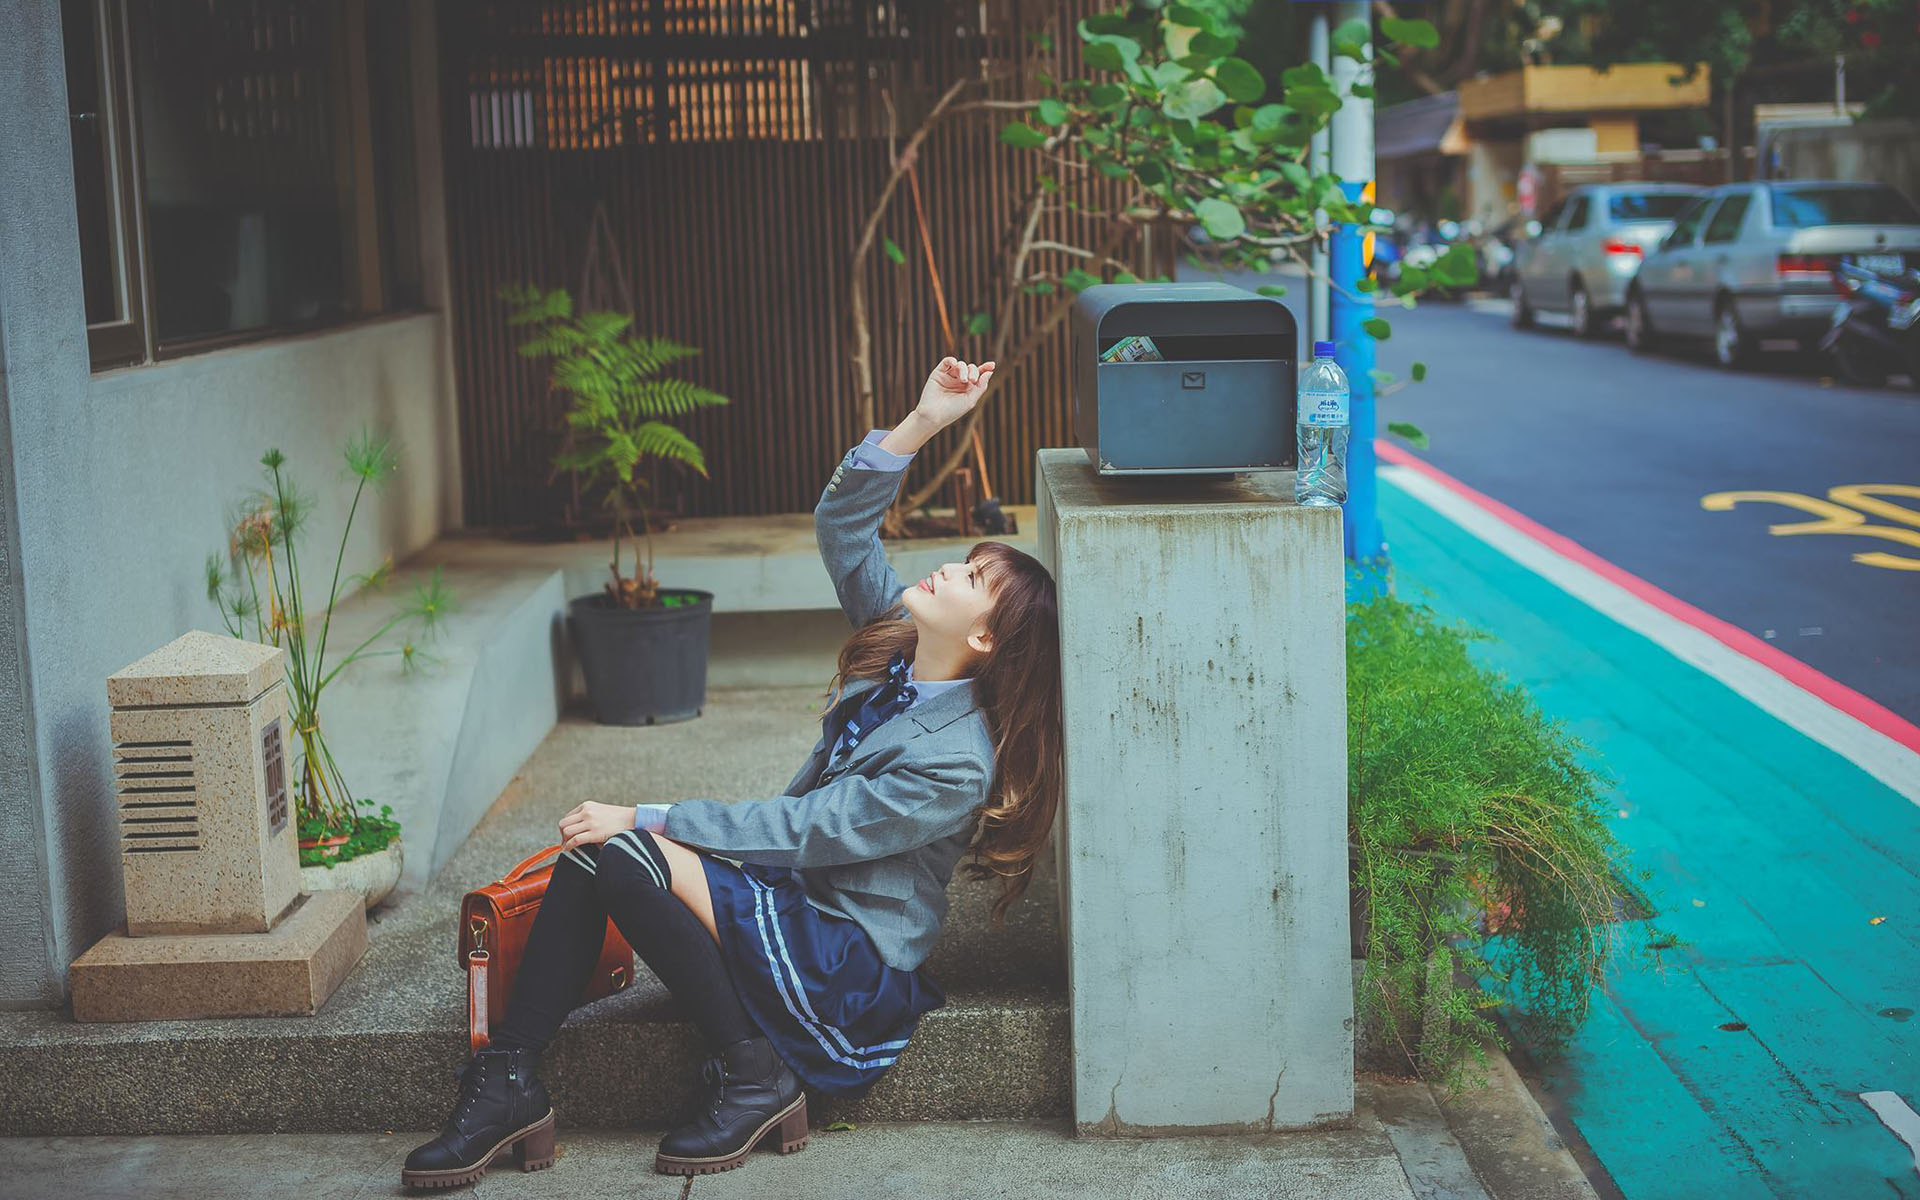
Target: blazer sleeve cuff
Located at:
point(869, 455)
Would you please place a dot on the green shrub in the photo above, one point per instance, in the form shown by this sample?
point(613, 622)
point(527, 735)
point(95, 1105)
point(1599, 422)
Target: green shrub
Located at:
point(1481, 844)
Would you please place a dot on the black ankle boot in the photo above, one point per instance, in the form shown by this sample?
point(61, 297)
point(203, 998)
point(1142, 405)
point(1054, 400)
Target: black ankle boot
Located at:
point(501, 1105)
point(753, 1091)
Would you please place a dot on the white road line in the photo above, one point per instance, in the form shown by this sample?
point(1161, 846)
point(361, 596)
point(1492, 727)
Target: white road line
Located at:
point(1872, 751)
point(1897, 1116)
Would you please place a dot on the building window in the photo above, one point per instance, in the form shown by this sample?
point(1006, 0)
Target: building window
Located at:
point(256, 170)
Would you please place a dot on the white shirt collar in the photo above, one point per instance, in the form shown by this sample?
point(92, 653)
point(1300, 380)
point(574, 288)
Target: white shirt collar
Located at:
point(924, 690)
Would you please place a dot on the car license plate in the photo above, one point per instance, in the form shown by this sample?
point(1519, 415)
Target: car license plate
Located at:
point(1880, 262)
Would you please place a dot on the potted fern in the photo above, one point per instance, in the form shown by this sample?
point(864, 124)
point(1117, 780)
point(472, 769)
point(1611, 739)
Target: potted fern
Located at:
point(341, 847)
point(642, 648)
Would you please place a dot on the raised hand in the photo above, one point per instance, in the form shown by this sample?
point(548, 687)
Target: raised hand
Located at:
point(953, 389)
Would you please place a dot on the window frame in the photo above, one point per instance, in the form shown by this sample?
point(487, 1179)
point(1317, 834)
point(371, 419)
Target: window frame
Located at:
point(123, 340)
point(133, 340)
point(1744, 198)
point(1706, 202)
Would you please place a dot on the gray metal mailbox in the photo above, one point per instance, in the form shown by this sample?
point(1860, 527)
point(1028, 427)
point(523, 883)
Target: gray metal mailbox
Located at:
point(1222, 398)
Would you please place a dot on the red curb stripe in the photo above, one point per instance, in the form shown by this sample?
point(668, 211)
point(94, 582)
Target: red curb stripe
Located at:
point(1868, 712)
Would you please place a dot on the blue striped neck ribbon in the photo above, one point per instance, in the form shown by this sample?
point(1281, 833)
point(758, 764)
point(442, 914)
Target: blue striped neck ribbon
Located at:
point(888, 700)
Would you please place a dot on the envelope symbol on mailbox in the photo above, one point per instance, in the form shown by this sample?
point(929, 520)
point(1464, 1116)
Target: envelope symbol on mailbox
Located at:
point(1193, 379)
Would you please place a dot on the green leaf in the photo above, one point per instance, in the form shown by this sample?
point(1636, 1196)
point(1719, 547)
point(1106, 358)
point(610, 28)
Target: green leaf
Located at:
point(1410, 33)
point(1040, 288)
point(1355, 33)
point(1051, 112)
point(1410, 432)
point(1192, 100)
point(1103, 56)
point(1112, 170)
point(1212, 45)
point(1314, 100)
point(1023, 135)
point(1222, 220)
point(1106, 95)
point(1042, 40)
point(1240, 80)
point(1368, 284)
point(1378, 328)
point(1271, 289)
point(1188, 15)
point(893, 251)
point(1269, 117)
point(1457, 267)
point(1305, 75)
point(1152, 172)
point(1170, 73)
point(978, 323)
point(1419, 372)
point(1362, 91)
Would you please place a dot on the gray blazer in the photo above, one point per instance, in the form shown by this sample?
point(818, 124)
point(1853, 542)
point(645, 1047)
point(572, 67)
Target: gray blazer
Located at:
point(876, 838)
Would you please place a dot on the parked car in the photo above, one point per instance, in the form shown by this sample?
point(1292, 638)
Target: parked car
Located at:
point(1497, 248)
point(1747, 262)
point(1589, 246)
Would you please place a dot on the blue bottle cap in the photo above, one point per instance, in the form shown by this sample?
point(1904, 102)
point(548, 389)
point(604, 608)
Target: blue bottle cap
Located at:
point(1323, 349)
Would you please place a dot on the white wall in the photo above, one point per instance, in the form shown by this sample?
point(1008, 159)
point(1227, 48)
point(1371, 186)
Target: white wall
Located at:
point(121, 484)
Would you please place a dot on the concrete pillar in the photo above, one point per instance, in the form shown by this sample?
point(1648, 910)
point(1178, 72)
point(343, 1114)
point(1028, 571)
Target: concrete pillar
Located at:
point(1202, 837)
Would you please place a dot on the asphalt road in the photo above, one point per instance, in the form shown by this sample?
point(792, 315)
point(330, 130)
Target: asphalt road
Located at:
point(1617, 452)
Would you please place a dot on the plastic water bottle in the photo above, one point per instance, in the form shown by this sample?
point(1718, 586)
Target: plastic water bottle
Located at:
point(1322, 430)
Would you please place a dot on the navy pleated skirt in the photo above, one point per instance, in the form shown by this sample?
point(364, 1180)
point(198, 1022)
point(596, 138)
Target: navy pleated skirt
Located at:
point(812, 980)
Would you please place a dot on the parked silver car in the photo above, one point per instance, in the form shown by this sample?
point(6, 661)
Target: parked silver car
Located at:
point(1754, 261)
point(1588, 247)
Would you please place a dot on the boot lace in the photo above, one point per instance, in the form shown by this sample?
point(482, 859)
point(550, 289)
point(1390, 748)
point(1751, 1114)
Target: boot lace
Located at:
point(473, 1079)
point(714, 1072)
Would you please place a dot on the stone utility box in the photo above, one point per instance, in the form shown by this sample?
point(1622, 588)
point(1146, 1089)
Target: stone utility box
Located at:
point(200, 758)
point(1221, 401)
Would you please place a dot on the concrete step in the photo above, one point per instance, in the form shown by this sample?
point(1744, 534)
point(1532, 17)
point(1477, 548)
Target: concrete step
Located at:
point(382, 1052)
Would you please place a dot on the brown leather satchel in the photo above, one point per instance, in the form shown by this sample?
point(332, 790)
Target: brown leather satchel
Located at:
point(494, 923)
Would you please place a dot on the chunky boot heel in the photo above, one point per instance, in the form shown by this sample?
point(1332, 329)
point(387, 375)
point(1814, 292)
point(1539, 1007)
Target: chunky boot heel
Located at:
point(502, 1111)
point(754, 1094)
point(793, 1130)
point(534, 1152)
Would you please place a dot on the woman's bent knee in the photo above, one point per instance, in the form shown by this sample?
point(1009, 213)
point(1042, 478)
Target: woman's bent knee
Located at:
point(631, 858)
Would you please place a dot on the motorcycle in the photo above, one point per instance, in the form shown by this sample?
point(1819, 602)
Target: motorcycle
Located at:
point(1873, 333)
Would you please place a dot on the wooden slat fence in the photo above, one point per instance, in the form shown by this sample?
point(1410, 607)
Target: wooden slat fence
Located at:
point(737, 148)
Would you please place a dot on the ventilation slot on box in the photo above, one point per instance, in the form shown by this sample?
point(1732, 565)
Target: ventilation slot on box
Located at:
point(158, 790)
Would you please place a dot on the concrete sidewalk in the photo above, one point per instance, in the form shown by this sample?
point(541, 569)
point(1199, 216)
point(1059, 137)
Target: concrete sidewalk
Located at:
point(1402, 1146)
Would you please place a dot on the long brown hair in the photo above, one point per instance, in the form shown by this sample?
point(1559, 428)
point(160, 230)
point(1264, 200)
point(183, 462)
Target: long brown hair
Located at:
point(1018, 686)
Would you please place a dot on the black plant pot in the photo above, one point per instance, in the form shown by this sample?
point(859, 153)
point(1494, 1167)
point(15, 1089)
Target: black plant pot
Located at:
point(643, 666)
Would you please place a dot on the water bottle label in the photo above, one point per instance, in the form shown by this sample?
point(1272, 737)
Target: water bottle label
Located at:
point(1323, 409)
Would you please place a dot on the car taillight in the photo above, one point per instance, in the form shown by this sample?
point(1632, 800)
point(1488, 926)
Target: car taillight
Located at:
point(1618, 247)
point(1804, 265)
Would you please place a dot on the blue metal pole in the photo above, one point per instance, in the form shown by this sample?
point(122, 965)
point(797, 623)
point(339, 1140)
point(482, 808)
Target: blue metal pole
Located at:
point(1353, 349)
point(1352, 130)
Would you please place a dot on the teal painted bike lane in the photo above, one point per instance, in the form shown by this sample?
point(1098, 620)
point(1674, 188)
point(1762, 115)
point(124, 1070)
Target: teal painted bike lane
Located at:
point(1737, 1070)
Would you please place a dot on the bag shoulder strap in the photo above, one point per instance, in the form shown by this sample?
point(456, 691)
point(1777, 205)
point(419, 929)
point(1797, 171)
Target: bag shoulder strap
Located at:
point(527, 864)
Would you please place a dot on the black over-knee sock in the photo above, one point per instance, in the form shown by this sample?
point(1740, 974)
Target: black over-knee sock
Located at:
point(633, 881)
point(568, 930)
